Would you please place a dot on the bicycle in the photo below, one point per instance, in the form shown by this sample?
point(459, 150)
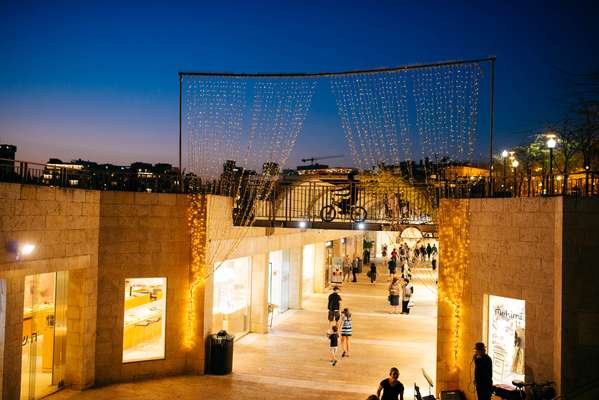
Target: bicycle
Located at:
point(356, 213)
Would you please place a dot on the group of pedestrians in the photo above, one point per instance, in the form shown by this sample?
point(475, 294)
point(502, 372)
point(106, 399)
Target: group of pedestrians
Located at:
point(350, 266)
point(338, 321)
point(400, 289)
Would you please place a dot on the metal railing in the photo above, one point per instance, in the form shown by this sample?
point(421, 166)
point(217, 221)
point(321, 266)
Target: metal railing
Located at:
point(310, 201)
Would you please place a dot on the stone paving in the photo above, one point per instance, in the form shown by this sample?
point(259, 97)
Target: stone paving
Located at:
point(291, 362)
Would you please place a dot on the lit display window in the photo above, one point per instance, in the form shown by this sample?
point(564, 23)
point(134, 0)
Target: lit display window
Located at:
point(144, 322)
point(231, 300)
point(506, 338)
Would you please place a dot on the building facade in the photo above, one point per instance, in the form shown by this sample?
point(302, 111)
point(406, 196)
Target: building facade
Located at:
point(95, 286)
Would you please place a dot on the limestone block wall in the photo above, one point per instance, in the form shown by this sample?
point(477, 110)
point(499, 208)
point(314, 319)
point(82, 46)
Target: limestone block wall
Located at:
point(502, 247)
point(141, 235)
point(63, 225)
point(580, 342)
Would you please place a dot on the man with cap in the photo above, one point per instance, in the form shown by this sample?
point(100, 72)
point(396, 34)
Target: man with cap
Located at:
point(483, 372)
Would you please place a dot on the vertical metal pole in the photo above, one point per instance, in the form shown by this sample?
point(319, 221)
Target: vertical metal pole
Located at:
point(491, 123)
point(180, 132)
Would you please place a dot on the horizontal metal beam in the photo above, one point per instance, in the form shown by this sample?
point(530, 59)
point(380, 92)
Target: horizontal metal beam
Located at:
point(331, 74)
point(347, 226)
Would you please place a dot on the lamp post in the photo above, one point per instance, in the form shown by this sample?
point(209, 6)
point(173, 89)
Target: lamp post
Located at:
point(504, 155)
point(551, 143)
point(515, 164)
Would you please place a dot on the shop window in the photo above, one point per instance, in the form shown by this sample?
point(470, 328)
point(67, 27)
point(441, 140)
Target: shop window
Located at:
point(144, 322)
point(231, 299)
point(506, 338)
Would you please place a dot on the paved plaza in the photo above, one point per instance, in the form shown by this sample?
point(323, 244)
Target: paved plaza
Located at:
point(291, 362)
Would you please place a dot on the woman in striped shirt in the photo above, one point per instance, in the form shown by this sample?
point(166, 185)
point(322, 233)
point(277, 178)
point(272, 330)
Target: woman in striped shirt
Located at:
point(346, 331)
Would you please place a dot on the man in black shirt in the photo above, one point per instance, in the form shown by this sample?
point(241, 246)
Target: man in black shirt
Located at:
point(334, 305)
point(483, 372)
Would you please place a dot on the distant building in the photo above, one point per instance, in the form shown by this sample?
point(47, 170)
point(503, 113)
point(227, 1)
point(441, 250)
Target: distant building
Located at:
point(7, 152)
point(271, 169)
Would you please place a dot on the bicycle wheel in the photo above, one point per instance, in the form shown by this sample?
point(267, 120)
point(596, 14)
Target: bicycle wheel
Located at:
point(358, 214)
point(328, 213)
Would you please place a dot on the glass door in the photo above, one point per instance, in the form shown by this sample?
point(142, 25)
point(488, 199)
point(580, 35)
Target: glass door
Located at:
point(44, 334)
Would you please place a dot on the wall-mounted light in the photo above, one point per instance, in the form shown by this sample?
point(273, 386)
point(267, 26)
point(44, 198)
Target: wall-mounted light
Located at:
point(19, 249)
point(329, 244)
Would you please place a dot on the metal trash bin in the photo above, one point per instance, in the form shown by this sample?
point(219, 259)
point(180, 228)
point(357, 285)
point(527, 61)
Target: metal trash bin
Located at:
point(221, 353)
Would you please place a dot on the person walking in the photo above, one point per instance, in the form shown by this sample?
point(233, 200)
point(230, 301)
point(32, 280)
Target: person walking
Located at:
point(434, 263)
point(333, 336)
point(394, 254)
point(372, 273)
point(392, 267)
point(483, 372)
point(355, 268)
point(346, 268)
point(346, 331)
point(407, 291)
point(394, 292)
point(391, 387)
point(334, 306)
point(429, 251)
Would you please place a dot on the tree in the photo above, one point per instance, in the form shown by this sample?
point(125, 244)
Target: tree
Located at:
point(587, 135)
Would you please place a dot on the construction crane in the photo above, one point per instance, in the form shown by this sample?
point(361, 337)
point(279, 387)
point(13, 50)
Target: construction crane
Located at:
point(312, 159)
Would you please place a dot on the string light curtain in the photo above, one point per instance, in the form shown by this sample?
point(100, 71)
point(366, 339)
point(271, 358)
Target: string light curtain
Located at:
point(240, 134)
point(379, 114)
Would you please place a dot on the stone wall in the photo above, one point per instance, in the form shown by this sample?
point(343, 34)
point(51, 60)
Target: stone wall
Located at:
point(580, 342)
point(141, 235)
point(63, 225)
point(502, 247)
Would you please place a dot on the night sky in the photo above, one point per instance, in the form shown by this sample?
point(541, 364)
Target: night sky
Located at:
point(99, 81)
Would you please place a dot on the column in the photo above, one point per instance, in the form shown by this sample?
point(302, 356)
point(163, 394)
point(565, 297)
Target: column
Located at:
point(320, 265)
point(259, 293)
point(293, 257)
point(13, 336)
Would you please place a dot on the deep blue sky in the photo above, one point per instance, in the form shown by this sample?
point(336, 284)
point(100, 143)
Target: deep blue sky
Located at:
point(99, 81)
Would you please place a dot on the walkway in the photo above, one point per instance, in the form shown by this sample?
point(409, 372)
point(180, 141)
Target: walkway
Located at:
point(292, 361)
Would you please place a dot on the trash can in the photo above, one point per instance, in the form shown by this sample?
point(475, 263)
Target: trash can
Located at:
point(221, 353)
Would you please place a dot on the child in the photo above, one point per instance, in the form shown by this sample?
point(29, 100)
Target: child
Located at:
point(334, 340)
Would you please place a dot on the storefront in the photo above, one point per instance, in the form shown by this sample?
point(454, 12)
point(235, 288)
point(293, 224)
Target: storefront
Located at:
point(308, 262)
point(144, 319)
point(278, 282)
point(506, 327)
point(44, 334)
point(231, 301)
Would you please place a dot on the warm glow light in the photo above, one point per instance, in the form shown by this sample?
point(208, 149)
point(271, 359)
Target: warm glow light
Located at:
point(515, 163)
point(302, 224)
point(361, 225)
point(504, 154)
point(551, 142)
point(26, 249)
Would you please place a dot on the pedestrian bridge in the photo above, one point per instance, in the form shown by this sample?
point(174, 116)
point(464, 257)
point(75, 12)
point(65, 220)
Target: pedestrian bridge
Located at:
point(346, 205)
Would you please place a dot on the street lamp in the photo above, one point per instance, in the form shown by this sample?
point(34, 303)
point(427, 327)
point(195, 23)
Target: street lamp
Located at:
point(515, 164)
point(504, 155)
point(551, 143)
